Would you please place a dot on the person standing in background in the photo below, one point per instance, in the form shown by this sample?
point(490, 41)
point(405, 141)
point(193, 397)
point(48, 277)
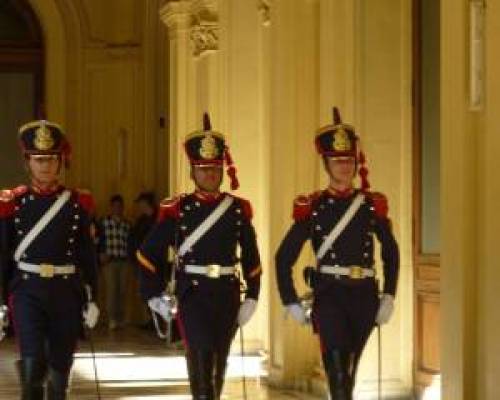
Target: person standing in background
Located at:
point(115, 231)
point(146, 212)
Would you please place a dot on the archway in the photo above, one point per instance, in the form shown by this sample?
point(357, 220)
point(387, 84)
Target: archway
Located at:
point(21, 80)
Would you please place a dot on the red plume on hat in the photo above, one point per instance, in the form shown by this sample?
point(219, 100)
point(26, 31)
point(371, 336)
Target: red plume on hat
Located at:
point(336, 116)
point(360, 156)
point(363, 171)
point(231, 169)
point(207, 126)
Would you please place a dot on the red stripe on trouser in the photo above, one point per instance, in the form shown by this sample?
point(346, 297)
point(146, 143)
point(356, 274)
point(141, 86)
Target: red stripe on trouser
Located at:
point(182, 331)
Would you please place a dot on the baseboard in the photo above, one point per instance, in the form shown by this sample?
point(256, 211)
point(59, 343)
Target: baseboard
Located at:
point(391, 390)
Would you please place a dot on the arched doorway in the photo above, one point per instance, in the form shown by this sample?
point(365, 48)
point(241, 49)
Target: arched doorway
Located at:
point(21, 81)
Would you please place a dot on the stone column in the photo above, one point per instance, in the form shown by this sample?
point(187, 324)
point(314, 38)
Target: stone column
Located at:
point(293, 169)
point(181, 116)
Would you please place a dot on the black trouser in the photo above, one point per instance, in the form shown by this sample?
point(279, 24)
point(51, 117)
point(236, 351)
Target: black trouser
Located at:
point(47, 320)
point(207, 322)
point(344, 316)
point(206, 370)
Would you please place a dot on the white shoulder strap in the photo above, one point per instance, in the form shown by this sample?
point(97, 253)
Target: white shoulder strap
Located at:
point(341, 225)
point(41, 224)
point(190, 241)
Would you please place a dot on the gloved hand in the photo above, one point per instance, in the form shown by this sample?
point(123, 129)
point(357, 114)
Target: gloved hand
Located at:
point(4, 320)
point(90, 315)
point(297, 312)
point(385, 309)
point(247, 309)
point(164, 305)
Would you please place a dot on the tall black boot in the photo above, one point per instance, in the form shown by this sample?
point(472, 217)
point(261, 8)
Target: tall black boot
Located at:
point(191, 368)
point(220, 371)
point(337, 367)
point(201, 364)
point(354, 369)
point(32, 373)
point(57, 385)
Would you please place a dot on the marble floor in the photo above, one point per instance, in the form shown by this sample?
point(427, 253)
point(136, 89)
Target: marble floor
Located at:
point(134, 364)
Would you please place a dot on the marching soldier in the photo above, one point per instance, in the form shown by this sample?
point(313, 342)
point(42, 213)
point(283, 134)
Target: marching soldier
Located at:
point(205, 228)
point(47, 259)
point(341, 223)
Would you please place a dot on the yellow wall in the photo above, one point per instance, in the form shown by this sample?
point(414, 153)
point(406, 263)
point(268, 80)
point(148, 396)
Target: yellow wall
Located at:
point(488, 366)
point(269, 77)
point(101, 84)
point(470, 147)
point(458, 177)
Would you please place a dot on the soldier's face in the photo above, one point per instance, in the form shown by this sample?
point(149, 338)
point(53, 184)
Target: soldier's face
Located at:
point(44, 169)
point(341, 170)
point(207, 179)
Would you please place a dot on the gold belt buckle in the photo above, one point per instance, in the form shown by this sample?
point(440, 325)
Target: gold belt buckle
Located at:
point(356, 272)
point(213, 271)
point(47, 271)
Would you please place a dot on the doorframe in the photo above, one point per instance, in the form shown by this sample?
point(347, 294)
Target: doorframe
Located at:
point(426, 266)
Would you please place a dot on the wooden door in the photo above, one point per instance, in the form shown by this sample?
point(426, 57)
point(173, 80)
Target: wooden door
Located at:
point(426, 121)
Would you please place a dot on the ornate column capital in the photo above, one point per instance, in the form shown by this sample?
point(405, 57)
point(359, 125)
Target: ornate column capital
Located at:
point(205, 10)
point(205, 27)
point(176, 14)
point(204, 37)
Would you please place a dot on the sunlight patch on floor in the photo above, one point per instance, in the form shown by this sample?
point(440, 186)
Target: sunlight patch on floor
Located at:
point(115, 368)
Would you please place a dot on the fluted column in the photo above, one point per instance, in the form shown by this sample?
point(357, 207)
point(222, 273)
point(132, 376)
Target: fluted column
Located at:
point(181, 88)
point(293, 168)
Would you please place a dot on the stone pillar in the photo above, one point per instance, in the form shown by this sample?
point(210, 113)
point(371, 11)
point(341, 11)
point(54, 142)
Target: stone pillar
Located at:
point(181, 116)
point(459, 257)
point(293, 169)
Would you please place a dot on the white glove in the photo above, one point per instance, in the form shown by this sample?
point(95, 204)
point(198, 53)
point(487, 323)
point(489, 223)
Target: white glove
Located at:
point(385, 309)
point(4, 320)
point(90, 315)
point(247, 309)
point(163, 305)
point(297, 312)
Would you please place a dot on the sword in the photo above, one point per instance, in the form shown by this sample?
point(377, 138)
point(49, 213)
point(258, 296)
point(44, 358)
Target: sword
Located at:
point(4, 317)
point(243, 289)
point(170, 297)
point(379, 362)
point(92, 348)
point(4, 321)
point(243, 364)
point(96, 377)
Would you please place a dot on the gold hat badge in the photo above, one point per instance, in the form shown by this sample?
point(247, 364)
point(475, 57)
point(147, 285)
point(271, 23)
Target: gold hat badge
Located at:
point(341, 141)
point(209, 149)
point(43, 138)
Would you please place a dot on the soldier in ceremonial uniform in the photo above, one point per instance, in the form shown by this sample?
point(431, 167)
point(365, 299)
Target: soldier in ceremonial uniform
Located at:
point(48, 261)
point(341, 223)
point(205, 228)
